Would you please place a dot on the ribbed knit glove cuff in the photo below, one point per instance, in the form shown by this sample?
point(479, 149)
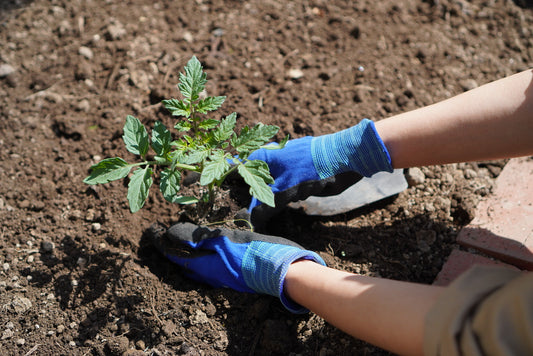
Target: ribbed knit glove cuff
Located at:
point(358, 149)
point(265, 265)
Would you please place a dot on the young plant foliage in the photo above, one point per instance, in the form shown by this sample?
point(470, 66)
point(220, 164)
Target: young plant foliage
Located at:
point(200, 144)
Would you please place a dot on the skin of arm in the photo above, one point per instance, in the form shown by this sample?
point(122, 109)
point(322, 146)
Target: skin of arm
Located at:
point(386, 313)
point(492, 121)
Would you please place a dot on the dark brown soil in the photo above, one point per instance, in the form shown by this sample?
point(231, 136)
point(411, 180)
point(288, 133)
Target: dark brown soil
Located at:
point(77, 275)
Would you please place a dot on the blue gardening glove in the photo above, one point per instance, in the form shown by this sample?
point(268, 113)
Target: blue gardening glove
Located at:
point(242, 260)
point(320, 166)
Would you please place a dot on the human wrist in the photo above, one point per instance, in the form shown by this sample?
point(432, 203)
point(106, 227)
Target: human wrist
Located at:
point(358, 148)
point(298, 273)
point(265, 266)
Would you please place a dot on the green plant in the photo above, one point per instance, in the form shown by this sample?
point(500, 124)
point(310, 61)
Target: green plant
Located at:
point(204, 145)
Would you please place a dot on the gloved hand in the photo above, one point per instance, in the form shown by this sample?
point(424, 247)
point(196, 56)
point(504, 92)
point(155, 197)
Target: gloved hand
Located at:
point(320, 166)
point(242, 260)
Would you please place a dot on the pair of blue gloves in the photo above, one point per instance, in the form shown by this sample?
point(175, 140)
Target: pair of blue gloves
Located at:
point(251, 262)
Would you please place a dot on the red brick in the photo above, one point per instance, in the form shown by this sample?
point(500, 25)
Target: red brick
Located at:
point(459, 262)
point(503, 223)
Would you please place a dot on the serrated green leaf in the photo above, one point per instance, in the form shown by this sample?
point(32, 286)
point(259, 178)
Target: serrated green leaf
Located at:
point(284, 141)
point(176, 157)
point(161, 139)
point(225, 129)
point(208, 139)
point(192, 83)
point(179, 144)
point(255, 179)
point(252, 139)
point(177, 107)
point(208, 124)
point(214, 169)
point(260, 169)
point(139, 187)
point(266, 132)
point(196, 156)
point(170, 184)
point(161, 160)
point(188, 139)
point(108, 170)
point(183, 126)
point(210, 103)
point(276, 146)
point(135, 136)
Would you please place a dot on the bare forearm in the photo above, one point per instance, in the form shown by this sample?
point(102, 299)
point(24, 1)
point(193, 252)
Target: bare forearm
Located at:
point(490, 122)
point(389, 314)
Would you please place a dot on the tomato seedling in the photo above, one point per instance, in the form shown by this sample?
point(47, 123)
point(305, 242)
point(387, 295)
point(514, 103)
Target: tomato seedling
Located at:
point(204, 145)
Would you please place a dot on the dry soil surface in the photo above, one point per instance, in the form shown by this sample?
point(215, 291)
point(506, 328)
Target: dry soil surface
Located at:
point(78, 276)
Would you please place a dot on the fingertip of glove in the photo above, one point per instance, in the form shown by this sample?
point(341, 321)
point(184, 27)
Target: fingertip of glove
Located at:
point(162, 236)
point(154, 236)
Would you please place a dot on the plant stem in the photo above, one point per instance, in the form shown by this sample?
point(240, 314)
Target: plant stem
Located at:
point(221, 179)
point(179, 165)
point(211, 195)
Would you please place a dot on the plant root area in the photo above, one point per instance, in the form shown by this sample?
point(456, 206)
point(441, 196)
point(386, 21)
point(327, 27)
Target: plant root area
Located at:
point(78, 274)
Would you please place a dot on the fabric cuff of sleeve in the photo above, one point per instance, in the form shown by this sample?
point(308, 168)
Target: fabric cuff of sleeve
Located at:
point(359, 149)
point(446, 319)
point(265, 266)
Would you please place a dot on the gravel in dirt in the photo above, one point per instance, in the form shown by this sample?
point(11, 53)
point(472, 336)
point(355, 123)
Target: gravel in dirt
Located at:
point(79, 275)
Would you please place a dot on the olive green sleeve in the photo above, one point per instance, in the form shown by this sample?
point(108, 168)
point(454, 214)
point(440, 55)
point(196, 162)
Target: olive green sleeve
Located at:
point(486, 311)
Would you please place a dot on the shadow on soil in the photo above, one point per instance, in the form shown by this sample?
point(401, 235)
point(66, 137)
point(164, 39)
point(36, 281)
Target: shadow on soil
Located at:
point(526, 4)
point(8, 7)
point(92, 276)
point(269, 328)
point(253, 324)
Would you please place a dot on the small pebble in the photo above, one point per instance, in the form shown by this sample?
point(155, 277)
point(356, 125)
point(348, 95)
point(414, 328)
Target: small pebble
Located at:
point(47, 246)
point(415, 176)
point(140, 345)
point(20, 342)
point(84, 105)
point(7, 334)
point(470, 173)
point(82, 262)
point(469, 84)
point(60, 329)
point(86, 52)
point(187, 36)
point(295, 73)
point(20, 305)
point(218, 32)
point(116, 31)
point(5, 70)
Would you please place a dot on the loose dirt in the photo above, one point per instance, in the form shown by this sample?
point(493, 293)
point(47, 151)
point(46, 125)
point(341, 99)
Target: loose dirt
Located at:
point(78, 274)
